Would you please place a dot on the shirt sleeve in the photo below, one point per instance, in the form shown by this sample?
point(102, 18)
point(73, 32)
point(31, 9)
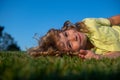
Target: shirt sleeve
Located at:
point(102, 36)
point(103, 21)
point(96, 22)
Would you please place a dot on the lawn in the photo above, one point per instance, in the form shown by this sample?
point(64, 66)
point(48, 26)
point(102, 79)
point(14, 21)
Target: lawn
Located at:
point(20, 66)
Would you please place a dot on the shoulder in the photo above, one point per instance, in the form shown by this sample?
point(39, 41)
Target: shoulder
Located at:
point(89, 21)
point(97, 21)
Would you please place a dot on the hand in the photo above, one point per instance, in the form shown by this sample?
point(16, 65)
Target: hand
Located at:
point(87, 54)
point(115, 20)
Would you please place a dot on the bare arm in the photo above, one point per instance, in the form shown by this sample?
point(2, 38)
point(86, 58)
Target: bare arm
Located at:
point(87, 54)
point(114, 54)
point(115, 20)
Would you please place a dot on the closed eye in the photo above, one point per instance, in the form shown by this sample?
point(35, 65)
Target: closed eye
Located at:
point(65, 34)
point(69, 45)
point(76, 38)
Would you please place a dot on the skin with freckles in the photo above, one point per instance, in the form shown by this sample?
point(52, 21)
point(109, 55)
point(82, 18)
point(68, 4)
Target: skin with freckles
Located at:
point(72, 40)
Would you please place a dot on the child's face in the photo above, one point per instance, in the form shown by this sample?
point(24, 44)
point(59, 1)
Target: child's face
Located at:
point(71, 40)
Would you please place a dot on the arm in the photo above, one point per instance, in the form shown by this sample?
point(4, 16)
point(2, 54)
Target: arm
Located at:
point(87, 54)
point(114, 54)
point(115, 20)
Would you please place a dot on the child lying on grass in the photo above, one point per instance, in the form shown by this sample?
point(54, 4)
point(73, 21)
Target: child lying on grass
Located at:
point(90, 38)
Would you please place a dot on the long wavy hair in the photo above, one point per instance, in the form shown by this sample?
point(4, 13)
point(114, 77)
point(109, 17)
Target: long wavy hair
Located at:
point(47, 44)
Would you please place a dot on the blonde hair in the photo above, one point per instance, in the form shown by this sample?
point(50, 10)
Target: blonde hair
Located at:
point(48, 43)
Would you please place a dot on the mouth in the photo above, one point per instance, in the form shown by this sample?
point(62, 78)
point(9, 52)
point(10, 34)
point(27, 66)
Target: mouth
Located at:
point(79, 37)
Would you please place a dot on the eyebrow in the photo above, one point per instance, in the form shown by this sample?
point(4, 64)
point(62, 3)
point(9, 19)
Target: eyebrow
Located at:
point(58, 36)
point(68, 43)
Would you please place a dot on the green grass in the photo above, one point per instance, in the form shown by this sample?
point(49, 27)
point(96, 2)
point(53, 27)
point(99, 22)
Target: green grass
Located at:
point(20, 66)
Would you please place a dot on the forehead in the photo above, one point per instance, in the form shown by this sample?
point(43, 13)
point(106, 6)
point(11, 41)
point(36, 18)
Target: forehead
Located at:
point(71, 30)
point(62, 35)
point(61, 41)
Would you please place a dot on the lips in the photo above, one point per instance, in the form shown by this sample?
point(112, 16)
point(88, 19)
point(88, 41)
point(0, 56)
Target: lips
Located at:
point(79, 37)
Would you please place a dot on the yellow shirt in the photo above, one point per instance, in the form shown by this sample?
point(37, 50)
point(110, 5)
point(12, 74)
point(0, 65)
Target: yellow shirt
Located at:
point(104, 37)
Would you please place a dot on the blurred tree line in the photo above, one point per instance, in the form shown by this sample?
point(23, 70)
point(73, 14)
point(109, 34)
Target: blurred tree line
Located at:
point(7, 42)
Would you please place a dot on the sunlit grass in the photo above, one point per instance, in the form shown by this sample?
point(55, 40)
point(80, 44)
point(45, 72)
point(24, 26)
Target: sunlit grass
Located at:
point(20, 66)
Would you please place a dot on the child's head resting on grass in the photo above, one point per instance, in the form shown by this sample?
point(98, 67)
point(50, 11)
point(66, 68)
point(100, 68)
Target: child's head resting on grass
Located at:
point(89, 38)
point(67, 40)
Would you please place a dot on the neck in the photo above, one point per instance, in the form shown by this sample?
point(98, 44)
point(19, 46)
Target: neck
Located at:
point(89, 45)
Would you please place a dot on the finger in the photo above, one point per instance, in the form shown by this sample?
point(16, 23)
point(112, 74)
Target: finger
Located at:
point(81, 56)
point(83, 52)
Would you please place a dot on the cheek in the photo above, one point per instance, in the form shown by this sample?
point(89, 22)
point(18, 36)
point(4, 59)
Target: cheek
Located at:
point(76, 46)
